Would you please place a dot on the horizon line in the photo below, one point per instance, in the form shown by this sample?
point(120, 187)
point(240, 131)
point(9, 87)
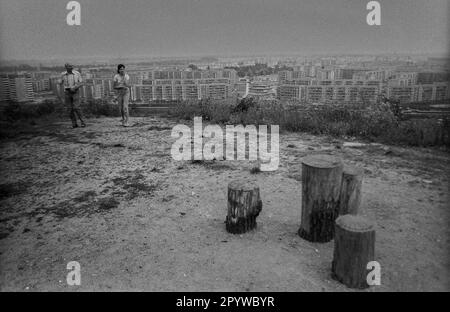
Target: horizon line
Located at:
point(246, 55)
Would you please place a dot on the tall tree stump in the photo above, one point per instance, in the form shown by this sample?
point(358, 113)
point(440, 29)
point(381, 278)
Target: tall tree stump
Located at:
point(354, 248)
point(321, 184)
point(350, 198)
point(244, 205)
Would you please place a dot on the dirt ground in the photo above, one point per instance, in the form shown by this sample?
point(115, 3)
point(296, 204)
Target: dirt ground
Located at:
point(113, 199)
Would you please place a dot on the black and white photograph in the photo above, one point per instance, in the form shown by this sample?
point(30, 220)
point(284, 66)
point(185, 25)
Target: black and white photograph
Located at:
point(233, 149)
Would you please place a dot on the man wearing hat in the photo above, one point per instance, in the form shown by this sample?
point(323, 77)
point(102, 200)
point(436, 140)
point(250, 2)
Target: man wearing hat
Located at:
point(71, 82)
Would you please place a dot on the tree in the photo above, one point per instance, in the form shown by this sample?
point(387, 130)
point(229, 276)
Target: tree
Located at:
point(193, 67)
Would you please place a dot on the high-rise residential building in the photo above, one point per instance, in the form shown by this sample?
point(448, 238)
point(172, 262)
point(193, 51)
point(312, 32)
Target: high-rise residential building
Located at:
point(403, 79)
point(431, 77)
point(4, 88)
point(163, 85)
point(40, 85)
point(169, 85)
point(320, 91)
point(420, 93)
point(17, 88)
point(325, 74)
point(242, 87)
point(363, 85)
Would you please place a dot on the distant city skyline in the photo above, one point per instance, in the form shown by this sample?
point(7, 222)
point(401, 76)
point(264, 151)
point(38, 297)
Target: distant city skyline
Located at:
point(37, 30)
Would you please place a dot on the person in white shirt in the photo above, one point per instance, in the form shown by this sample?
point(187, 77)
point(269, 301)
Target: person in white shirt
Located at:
point(122, 85)
point(71, 82)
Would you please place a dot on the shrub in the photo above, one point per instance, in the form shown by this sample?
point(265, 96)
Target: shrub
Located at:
point(101, 108)
point(419, 132)
point(14, 111)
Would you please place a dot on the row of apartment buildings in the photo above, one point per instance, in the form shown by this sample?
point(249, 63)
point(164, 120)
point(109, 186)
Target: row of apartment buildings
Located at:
point(158, 85)
point(362, 85)
point(185, 84)
point(369, 91)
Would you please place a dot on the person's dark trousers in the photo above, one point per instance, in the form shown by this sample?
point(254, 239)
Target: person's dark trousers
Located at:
point(73, 104)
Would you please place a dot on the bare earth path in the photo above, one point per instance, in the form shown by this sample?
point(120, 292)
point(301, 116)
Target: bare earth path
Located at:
point(113, 199)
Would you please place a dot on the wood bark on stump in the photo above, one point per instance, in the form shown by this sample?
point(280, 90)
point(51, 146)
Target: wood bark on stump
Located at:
point(350, 198)
point(354, 248)
point(321, 184)
point(244, 205)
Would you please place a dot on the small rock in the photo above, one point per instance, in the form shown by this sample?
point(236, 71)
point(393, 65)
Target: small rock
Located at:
point(427, 181)
point(354, 144)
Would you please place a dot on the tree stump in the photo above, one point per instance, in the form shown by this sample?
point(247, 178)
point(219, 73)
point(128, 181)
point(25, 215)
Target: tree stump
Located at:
point(244, 205)
point(350, 198)
point(321, 184)
point(354, 248)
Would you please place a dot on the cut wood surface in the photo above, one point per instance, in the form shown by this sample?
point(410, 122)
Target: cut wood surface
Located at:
point(350, 197)
point(244, 205)
point(321, 184)
point(354, 248)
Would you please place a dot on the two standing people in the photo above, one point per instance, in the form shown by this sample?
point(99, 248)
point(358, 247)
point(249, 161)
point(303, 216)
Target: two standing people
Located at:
point(122, 85)
point(71, 82)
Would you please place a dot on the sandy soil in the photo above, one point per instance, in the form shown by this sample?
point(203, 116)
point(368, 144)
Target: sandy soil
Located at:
point(113, 199)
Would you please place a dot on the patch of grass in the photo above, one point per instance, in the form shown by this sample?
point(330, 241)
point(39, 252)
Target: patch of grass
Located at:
point(134, 184)
point(210, 164)
point(76, 209)
point(219, 166)
point(14, 111)
point(97, 108)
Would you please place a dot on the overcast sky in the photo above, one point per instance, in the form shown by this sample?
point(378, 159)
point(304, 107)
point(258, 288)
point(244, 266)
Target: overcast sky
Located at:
point(37, 29)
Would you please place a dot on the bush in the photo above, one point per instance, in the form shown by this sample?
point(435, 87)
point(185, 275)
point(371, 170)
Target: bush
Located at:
point(420, 132)
point(219, 111)
point(15, 111)
point(99, 108)
point(374, 122)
